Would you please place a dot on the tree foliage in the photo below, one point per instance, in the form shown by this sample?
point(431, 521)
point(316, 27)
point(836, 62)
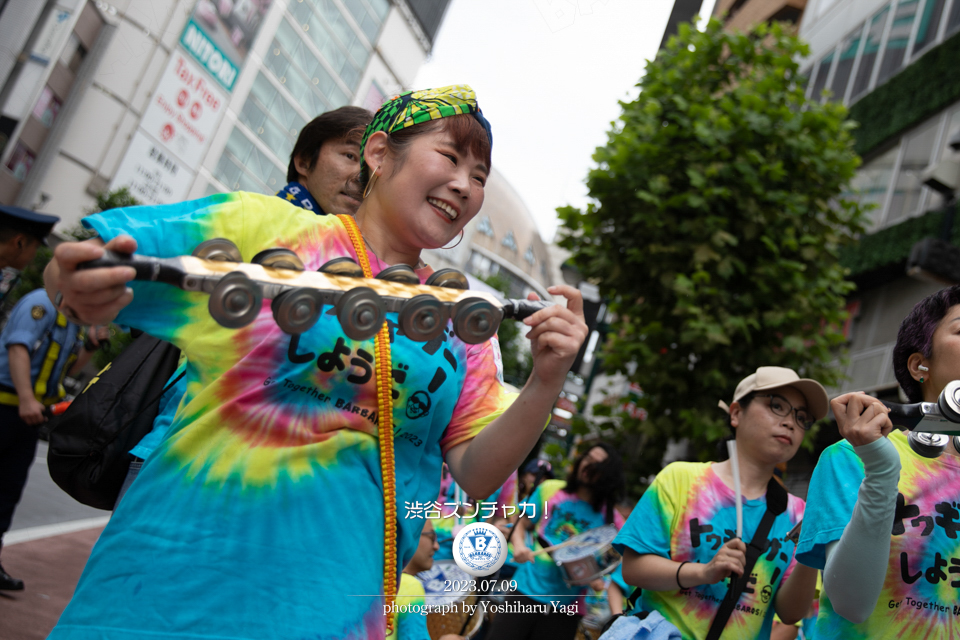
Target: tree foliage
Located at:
point(715, 230)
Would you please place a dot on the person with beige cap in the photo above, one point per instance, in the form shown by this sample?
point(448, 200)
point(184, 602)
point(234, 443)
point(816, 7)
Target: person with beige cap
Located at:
point(680, 544)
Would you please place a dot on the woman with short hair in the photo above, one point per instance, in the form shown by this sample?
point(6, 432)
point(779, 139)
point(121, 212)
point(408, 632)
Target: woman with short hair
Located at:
point(882, 520)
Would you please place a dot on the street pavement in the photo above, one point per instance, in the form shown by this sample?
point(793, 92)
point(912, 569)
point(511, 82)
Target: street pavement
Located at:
point(46, 547)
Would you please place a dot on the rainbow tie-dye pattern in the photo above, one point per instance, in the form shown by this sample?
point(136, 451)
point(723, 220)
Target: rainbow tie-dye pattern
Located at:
point(566, 516)
point(921, 593)
point(686, 514)
point(260, 515)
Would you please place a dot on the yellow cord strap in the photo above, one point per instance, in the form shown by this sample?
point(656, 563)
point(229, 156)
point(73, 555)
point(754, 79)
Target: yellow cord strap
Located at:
point(385, 429)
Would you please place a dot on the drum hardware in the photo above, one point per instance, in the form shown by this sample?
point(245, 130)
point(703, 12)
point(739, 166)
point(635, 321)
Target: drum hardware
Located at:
point(219, 249)
point(279, 259)
point(590, 555)
point(342, 267)
point(399, 273)
point(930, 423)
point(449, 278)
point(437, 585)
point(237, 291)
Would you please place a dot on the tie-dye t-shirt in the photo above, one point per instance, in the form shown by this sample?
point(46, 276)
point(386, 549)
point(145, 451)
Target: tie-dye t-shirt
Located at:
point(921, 593)
point(260, 515)
point(687, 514)
point(490, 509)
point(409, 621)
point(566, 516)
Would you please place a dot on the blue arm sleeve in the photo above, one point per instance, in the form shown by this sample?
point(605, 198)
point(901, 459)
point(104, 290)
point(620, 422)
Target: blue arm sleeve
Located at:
point(857, 564)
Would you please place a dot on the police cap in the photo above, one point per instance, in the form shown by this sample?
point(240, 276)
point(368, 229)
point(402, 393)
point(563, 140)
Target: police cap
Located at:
point(32, 223)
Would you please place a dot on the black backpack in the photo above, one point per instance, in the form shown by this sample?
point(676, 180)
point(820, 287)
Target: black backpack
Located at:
point(90, 443)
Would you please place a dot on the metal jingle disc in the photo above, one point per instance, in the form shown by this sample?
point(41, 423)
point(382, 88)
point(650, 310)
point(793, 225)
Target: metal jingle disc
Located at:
point(449, 278)
point(219, 249)
point(949, 401)
point(279, 258)
point(475, 320)
point(928, 445)
point(297, 310)
point(361, 313)
point(403, 273)
point(423, 318)
point(343, 266)
point(236, 300)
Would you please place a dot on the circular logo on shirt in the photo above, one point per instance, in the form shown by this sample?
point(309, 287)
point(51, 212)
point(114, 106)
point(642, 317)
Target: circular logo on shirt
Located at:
point(38, 312)
point(480, 549)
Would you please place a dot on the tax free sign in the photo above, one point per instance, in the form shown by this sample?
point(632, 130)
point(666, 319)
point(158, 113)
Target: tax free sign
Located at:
point(203, 49)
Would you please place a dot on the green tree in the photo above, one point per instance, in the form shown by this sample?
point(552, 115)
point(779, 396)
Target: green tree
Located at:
point(715, 228)
point(517, 359)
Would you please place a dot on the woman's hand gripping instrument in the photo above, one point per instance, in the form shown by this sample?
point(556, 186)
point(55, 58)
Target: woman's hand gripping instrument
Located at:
point(237, 290)
point(930, 424)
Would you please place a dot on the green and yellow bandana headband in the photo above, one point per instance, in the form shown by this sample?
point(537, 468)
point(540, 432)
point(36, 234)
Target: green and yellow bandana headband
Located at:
point(416, 107)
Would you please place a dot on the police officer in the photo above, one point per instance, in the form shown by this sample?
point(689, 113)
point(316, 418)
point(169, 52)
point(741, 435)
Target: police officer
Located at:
point(38, 347)
point(21, 232)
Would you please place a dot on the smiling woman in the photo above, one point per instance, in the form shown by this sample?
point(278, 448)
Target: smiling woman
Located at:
point(270, 510)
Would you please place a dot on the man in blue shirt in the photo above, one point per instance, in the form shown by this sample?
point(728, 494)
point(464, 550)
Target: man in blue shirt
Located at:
point(38, 347)
point(21, 232)
point(324, 171)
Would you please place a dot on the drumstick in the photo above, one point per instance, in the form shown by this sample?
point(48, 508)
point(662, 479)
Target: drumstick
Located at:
point(735, 467)
point(565, 543)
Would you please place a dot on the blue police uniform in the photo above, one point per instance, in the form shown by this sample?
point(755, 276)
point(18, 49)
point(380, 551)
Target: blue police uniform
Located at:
point(54, 345)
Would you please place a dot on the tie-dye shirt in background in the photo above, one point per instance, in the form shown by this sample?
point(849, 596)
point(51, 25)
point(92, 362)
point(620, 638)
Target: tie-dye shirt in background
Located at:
point(921, 593)
point(566, 516)
point(260, 515)
point(409, 621)
point(687, 514)
point(493, 506)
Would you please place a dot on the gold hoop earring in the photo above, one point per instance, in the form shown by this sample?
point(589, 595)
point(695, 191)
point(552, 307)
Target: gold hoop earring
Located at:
point(370, 183)
point(458, 242)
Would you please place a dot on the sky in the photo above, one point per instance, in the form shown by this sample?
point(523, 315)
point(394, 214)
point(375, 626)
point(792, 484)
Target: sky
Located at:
point(549, 75)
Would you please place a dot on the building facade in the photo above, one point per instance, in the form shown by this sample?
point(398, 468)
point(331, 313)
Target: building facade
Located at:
point(177, 99)
point(894, 64)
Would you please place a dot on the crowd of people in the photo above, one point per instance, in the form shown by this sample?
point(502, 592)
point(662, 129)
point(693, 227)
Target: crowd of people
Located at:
point(253, 510)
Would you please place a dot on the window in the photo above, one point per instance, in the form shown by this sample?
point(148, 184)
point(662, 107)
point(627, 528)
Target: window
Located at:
point(485, 227)
point(47, 107)
point(929, 23)
point(870, 49)
point(934, 198)
point(908, 191)
point(954, 20)
point(898, 39)
point(529, 256)
point(823, 71)
point(509, 241)
point(20, 161)
point(873, 181)
point(848, 54)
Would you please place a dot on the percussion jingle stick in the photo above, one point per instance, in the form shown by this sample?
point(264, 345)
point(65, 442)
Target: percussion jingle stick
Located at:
point(522, 309)
point(147, 269)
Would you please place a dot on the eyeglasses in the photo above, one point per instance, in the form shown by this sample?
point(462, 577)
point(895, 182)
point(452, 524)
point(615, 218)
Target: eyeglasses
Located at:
point(782, 408)
point(429, 534)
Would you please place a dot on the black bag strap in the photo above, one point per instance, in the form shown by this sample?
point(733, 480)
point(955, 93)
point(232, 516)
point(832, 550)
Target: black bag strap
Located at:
point(776, 504)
